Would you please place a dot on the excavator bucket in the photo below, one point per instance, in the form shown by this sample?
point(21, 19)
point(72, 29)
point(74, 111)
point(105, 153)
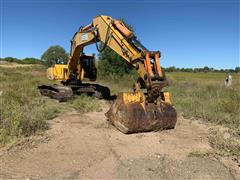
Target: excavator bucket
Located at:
point(131, 114)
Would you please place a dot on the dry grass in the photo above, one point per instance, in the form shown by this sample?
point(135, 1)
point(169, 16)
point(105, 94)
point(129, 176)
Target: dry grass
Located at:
point(198, 95)
point(85, 104)
point(23, 111)
point(203, 96)
point(201, 154)
point(225, 142)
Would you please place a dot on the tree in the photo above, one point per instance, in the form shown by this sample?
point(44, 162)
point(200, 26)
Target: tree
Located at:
point(111, 63)
point(30, 60)
point(237, 69)
point(54, 54)
point(206, 69)
point(11, 59)
point(172, 69)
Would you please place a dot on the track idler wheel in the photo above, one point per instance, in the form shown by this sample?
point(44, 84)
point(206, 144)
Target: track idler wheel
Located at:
point(131, 114)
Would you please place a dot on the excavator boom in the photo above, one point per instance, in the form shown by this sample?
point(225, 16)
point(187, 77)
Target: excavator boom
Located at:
point(114, 34)
point(132, 111)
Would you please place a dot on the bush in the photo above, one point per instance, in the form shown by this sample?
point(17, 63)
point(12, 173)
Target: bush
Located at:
point(23, 111)
point(224, 142)
point(28, 60)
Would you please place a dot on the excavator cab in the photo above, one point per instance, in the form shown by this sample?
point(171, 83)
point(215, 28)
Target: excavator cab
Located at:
point(87, 62)
point(86, 66)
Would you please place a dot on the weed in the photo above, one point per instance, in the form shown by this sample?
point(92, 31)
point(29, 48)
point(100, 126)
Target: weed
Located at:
point(23, 111)
point(201, 154)
point(85, 104)
point(203, 96)
point(225, 142)
point(198, 95)
point(103, 125)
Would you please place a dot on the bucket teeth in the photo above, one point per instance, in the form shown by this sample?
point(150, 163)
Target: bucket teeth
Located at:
point(130, 114)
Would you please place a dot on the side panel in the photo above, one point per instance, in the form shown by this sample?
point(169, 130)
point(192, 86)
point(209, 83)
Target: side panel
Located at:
point(57, 72)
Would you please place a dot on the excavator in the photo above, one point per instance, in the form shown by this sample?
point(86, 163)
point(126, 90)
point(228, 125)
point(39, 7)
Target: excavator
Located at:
point(147, 108)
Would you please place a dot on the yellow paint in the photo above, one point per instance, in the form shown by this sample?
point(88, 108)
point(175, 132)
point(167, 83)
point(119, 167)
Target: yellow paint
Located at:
point(167, 97)
point(129, 97)
point(57, 72)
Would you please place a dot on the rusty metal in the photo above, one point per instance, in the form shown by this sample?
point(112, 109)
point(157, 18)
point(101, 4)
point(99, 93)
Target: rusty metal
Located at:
point(140, 116)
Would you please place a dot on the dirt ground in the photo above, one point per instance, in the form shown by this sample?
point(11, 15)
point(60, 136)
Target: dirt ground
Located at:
point(86, 146)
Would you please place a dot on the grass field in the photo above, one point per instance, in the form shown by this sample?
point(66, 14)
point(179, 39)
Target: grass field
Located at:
point(24, 111)
point(204, 96)
point(197, 95)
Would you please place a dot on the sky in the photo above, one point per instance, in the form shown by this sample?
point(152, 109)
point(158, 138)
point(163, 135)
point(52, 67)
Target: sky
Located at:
point(188, 33)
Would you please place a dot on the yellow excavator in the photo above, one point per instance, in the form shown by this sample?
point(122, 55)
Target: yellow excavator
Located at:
point(146, 108)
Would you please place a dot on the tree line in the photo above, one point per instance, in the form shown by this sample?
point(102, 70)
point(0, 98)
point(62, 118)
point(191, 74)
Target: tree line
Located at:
point(109, 62)
point(27, 60)
point(53, 55)
point(204, 69)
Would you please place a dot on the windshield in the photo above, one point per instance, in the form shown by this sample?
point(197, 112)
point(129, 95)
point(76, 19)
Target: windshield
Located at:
point(61, 61)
